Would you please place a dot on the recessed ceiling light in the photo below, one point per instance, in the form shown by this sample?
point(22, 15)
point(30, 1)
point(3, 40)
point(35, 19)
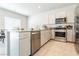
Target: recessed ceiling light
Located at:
point(39, 7)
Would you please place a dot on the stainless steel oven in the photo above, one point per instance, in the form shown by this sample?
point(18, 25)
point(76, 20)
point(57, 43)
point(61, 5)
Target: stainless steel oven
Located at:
point(60, 30)
point(60, 34)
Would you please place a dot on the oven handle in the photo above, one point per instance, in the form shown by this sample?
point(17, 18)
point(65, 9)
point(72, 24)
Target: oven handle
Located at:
point(60, 30)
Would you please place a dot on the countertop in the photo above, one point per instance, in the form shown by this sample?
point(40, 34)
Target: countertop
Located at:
point(33, 30)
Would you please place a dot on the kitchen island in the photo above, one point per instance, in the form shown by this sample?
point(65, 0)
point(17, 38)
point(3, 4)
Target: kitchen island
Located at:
point(20, 41)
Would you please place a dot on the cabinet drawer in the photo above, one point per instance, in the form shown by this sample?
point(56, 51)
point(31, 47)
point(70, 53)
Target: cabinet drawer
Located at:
point(24, 35)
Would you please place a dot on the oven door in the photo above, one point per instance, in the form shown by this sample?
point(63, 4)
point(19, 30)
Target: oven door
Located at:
point(60, 34)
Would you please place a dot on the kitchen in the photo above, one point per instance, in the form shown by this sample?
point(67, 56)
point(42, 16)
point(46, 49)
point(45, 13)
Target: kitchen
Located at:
point(45, 25)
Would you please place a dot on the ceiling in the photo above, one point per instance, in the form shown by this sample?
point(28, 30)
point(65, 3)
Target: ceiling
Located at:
point(32, 8)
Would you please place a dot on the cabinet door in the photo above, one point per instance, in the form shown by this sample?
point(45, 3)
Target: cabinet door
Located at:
point(61, 14)
point(70, 36)
point(47, 35)
point(51, 19)
point(42, 38)
point(70, 17)
point(25, 45)
point(53, 34)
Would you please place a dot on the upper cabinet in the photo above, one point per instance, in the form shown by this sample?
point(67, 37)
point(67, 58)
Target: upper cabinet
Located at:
point(60, 14)
point(53, 16)
point(70, 16)
point(51, 19)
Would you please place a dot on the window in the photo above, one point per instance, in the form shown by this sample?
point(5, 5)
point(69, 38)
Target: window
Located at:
point(12, 23)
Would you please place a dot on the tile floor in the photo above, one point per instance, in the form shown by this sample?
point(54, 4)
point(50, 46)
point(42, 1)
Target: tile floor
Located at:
point(55, 48)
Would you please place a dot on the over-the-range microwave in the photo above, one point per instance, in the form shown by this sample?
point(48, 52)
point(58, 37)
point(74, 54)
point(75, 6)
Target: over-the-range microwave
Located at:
point(60, 20)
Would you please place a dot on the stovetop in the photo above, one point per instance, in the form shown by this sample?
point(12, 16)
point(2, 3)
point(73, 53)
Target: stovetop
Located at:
point(57, 28)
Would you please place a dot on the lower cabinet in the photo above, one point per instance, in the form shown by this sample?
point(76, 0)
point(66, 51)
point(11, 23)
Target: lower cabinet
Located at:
point(19, 43)
point(24, 47)
point(42, 37)
point(45, 36)
point(70, 36)
point(24, 44)
point(52, 34)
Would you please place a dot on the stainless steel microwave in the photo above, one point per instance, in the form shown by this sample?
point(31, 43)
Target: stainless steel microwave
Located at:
point(60, 20)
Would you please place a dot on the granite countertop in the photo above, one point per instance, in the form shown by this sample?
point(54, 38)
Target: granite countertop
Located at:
point(31, 30)
point(37, 30)
point(28, 30)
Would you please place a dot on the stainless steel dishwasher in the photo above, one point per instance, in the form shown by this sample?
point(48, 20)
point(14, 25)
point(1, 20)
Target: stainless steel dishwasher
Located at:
point(35, 41)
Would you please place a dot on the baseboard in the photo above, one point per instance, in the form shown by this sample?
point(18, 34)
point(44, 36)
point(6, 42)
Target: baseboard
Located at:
point(70, 42)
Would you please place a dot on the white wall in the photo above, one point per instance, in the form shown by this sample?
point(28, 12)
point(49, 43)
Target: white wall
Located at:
point(4, 12)
point(49, 16)
point(37, 20)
